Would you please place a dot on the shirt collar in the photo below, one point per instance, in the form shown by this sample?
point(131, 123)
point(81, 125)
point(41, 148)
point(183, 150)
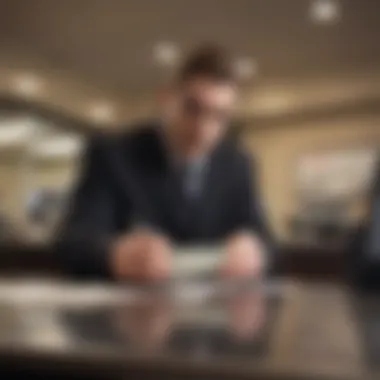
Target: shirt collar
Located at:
point(197, 162)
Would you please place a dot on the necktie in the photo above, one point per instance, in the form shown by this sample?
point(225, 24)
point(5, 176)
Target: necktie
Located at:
point(191, 186)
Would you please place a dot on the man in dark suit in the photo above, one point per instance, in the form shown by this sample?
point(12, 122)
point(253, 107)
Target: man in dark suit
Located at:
point(178, 180)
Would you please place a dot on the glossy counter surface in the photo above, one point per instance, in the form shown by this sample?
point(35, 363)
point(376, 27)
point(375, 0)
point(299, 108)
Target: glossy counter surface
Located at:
point(278, 331)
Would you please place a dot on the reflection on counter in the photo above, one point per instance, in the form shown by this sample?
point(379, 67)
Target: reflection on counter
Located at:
point(300, 330)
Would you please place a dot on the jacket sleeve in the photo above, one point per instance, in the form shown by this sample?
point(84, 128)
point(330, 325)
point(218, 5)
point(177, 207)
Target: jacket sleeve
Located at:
point(83, 240)
point(250, 213)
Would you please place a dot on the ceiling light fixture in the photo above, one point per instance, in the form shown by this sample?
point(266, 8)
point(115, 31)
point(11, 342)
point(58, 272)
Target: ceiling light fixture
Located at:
point(27, 84)
point(246, 68)
point(325, 11)
point(166, 53)
point(101, 112)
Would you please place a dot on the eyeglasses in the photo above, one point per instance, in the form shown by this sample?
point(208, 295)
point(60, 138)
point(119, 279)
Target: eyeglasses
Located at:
point(194, 108)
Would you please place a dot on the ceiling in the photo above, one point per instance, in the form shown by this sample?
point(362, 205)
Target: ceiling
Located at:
point(110, 42)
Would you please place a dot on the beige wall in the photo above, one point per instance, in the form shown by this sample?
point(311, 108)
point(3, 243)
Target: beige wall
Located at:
point(18, 178)
point(55, 175)
point(10, 189)
point(278, 149)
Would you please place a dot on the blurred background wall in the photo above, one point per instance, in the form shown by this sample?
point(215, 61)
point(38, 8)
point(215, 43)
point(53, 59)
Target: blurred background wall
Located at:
point(311, 74)
point(279, 150)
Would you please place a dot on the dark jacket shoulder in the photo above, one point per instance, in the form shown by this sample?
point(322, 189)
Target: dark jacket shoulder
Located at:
point(139, 143)
point(235, 159)
point(136, 137)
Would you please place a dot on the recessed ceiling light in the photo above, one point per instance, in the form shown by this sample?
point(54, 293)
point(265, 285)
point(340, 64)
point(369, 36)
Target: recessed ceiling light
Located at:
point(166, 53)
point(101, 112)
point(246, 68)
point(325, 11)
point(27, 84)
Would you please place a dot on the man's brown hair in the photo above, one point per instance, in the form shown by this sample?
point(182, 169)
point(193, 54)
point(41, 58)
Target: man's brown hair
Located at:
point(209, 61)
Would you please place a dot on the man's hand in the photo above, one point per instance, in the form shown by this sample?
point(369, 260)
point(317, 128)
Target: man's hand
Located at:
point(141, 255)
point(245, 256)
point(146, 324)
point(246, 314)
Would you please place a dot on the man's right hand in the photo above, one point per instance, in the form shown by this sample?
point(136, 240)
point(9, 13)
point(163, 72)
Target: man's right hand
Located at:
point(141, 255)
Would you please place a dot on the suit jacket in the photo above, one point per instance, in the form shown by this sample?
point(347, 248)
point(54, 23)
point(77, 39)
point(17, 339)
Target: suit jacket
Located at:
point(127, 180)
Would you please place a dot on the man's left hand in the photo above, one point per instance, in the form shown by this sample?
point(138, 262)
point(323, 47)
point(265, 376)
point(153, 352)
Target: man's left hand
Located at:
point(244, 257)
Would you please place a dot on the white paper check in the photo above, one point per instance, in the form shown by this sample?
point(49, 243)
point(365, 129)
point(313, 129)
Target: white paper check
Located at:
point(196, 261)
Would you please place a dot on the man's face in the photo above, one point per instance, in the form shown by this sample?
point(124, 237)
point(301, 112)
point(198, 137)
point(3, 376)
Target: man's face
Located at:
point(200, 110)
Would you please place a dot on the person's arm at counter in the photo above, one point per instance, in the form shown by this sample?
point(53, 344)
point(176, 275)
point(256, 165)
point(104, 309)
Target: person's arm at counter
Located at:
point(89, 244)
point(83, 240)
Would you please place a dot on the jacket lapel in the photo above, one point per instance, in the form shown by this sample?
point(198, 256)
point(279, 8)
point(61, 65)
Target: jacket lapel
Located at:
point(208, 201)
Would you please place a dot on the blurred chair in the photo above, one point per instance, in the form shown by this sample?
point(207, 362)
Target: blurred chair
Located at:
point(323, 223)
point(8, 231)
point(364, 247)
